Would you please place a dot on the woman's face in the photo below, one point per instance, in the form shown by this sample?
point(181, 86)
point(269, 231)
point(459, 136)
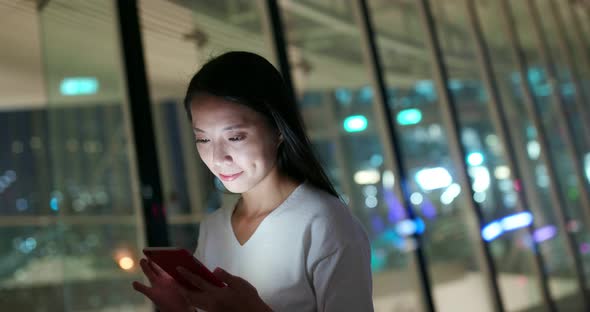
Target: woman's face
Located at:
point(235, 142)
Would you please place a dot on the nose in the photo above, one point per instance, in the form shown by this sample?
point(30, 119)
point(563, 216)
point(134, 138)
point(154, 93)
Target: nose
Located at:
point(221, 157)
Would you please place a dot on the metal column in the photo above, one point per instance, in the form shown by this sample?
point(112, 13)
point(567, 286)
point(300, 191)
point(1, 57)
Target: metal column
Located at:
point(280, 43)
point(141, 121)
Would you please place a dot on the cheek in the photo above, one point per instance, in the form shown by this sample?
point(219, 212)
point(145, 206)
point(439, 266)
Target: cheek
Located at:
point(260, 156)
point(203, 155)
point(268, 154)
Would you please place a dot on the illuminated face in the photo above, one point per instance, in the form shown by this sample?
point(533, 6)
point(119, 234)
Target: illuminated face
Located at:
point(236, 143)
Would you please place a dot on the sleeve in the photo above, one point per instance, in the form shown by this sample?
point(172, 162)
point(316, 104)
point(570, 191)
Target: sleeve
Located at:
point(343, 281)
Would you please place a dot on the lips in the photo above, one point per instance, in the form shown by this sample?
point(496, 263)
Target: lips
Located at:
point(227, 178)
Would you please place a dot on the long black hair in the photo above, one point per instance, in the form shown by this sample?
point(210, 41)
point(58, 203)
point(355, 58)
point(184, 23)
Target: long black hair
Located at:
point(249, 79)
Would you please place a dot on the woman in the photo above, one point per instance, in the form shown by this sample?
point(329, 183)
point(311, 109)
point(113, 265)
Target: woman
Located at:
point(289, 243)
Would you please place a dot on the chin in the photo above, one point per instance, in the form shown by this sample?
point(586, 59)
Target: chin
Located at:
point(237, 187)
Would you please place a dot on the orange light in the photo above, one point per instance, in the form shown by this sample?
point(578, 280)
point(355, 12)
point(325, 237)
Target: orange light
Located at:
point(126, 263)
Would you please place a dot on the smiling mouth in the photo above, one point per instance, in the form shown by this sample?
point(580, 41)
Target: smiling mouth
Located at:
point(228, 178)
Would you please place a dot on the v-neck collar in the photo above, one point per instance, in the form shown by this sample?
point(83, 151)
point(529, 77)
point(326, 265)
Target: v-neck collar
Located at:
point(229, 211)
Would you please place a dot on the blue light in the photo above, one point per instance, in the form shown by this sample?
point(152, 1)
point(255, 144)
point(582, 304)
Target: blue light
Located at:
point(410, 116)
point(78, 86)
point(406, 227)
point(455, 84)
point(475, 159)
point(535, 75)
point(519, 220)
point(344, 96)
point(376, 160)
point(366, 95)
point(28, 245)
point(587, 165)
point(378, 260)
point(22, 204)
point(543, 90)
point(425, 87)
point(356, 123)
point(505, 224)
point(491, 231)
point(545, 233)
point(420, 226)
point(410, 227)
point(54, 204)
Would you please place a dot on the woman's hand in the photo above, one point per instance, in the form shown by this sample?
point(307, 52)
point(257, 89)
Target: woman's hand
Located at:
point(238, 295)
point(164, 292)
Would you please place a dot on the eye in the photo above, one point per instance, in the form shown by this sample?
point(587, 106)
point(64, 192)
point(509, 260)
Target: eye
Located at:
point(237, 138)
point(201, 141)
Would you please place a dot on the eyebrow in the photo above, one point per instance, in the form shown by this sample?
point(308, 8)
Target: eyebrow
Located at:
point(232, 127)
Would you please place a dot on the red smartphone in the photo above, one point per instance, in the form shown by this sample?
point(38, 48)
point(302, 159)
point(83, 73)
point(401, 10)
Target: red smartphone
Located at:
point(169, 258)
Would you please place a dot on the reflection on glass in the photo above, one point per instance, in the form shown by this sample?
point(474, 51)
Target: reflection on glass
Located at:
point(71, 231)
point(437, 196)
point(562, 158)
point(493, 184)
point(96, 262)
point(552, 243)
point(82, 256)
point(339, 109)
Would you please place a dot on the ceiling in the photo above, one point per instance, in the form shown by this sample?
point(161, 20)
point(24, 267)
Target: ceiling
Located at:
point(80, 38)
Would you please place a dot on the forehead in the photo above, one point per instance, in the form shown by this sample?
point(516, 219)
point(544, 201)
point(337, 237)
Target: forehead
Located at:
point(207, 109)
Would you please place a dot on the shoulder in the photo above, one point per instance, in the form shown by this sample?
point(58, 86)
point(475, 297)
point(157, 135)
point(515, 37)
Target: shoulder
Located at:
point(330, 222)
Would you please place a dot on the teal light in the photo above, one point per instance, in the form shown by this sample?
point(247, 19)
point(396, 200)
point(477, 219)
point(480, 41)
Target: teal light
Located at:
point(475, 159)
point(54, 204)
point(78, 86)
point(455, 84)
point(343, 95)
point(410, 116)
point(356, 123)
point(366, 95)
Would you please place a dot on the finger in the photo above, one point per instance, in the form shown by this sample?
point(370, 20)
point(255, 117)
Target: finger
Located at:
point(145, 290)
point(156, 268)
point(147, 270)
point(196, 280)
point(225, 277)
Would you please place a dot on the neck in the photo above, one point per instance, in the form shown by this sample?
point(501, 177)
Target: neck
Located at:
point(267, 195)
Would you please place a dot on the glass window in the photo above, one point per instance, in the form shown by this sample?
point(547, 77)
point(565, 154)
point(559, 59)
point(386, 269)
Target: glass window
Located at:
point(493, 184)
point(574, 24)
point(560, 267)
point(573, 99)
point(70, 225)
point(451, 233)
point(339, 108)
